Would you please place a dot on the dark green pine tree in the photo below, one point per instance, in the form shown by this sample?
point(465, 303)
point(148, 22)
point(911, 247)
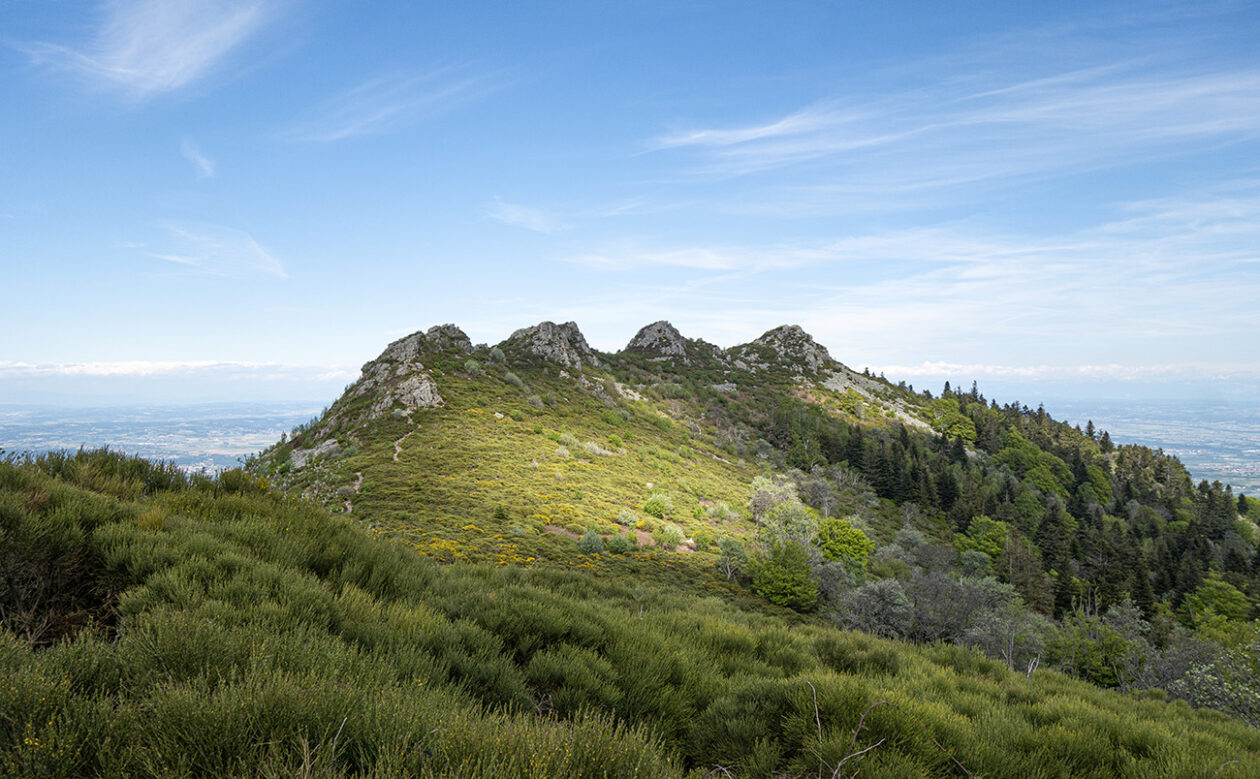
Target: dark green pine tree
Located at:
point(1064, 593)
point(1165, 573)
point(958, 450)
point(1140, 587)
point(855, 447)
point(947, 489)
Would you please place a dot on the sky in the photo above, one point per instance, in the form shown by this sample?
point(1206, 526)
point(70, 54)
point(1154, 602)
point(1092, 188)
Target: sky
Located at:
point(246, 199)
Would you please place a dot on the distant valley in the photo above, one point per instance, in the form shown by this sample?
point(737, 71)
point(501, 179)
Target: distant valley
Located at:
point(206, 436)
point(1215, 440)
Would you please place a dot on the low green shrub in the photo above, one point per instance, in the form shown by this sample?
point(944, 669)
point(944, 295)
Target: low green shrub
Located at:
point(670, 535)
point(621, 544)
point(658, 505)
point(591, 543)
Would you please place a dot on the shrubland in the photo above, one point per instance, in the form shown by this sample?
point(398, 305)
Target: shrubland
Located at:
point(215, 627)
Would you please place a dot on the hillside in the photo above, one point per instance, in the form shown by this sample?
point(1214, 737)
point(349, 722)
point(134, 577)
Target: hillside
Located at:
point(485, 452)
point(538, 559)
point(542, 434)
point(164, 625)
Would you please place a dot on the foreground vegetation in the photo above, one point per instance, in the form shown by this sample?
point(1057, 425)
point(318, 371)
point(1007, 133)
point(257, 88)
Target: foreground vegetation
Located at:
point(157, 624)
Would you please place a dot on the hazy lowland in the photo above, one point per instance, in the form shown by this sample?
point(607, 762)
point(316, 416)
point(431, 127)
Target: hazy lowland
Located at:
point(1217, 441)
point(535, 559)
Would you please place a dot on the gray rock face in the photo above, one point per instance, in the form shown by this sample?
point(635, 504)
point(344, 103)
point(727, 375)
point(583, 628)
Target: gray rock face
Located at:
point(448, 337)
point(398, 378)
point(436, 339)
point(659, 339)
point(789, 345)
point(413, 392)
point(300, 457)
point(563, 344)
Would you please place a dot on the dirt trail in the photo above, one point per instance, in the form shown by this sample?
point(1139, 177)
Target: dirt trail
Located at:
point(399, 442)
point(398, 445)
point(358, 483)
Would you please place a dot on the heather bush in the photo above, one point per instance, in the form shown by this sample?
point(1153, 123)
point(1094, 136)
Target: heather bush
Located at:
point(658, 505)
point(670, 535)
point(590, 542)
point(621, 543)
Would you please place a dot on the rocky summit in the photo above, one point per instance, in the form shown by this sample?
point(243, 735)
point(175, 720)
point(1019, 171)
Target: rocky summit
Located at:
point(659, 339)
point(787, 346)
point(563, 344)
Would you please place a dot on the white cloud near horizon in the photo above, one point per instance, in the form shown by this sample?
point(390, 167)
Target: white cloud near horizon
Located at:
point(202, 165)
point(148, 47)
point(215, 250)
point(517, 215)
point(386, 103)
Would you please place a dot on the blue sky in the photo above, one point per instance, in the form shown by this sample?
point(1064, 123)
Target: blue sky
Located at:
point(220, 200)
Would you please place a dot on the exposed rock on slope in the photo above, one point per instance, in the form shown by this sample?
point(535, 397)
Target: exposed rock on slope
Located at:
point(662, 341)
point(563, 344)
point(785, 346)
point(659, 339)
point(394, 380)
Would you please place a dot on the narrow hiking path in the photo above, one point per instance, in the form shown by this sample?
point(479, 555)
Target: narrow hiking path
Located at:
point(399, 442)
point(358, 484)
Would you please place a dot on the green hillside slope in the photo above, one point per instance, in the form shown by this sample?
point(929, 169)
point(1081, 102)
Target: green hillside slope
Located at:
point(162, 625)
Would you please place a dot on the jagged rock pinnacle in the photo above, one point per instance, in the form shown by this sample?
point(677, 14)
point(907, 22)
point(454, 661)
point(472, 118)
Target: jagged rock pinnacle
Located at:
point(659, 339)
point(436, 339)
point(791, 346)
point(564, 344)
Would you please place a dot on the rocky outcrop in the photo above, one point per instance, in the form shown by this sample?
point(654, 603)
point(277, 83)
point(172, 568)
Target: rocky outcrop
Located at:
point(661, 342)
point(659, 339)
point(300, 457)
point(411, 393)
point(397, 380)
point(563, 344)
point(439, 338)
point(786, 346)
point(797, 346)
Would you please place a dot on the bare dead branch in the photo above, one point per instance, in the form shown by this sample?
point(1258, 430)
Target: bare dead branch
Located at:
point(951, 757)
point(852, 755)
point(817, 718)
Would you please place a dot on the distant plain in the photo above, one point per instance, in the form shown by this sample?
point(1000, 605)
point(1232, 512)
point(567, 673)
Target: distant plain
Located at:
point(1215, 440)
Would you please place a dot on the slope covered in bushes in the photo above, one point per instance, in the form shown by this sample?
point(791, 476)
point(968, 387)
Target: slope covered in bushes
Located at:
point(216, 627)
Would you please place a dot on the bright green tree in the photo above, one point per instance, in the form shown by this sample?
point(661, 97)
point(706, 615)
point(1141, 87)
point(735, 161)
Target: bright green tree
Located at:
point(840, 541)
point(783, 575)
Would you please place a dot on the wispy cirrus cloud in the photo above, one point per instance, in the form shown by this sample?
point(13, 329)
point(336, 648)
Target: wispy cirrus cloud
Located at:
point(202, 165)
point(1165, 277)
point(386, 103)
point(215, 250)
point(518, 215)
point(962, 134)
point(148, 47)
